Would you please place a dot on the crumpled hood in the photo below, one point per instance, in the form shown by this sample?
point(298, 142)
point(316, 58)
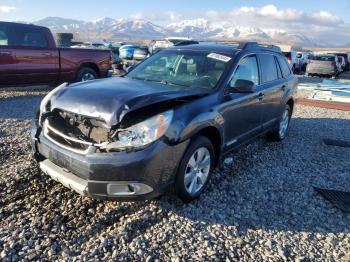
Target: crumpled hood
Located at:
point(110, 99)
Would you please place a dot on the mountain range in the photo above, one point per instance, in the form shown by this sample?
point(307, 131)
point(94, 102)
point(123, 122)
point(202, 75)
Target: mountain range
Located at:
point(199, 29)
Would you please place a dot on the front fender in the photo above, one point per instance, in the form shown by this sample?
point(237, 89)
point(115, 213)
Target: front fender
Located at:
point(182, 130)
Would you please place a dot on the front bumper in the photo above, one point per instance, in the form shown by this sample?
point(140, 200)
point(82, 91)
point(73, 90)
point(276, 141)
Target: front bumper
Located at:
point(125, 176)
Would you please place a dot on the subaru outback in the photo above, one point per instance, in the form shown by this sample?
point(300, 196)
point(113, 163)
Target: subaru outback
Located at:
point(167, 123)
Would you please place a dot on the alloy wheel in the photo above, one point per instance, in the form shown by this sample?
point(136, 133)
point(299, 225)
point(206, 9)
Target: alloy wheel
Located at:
point(197, 170)
point(87, 77)
point(284, 124)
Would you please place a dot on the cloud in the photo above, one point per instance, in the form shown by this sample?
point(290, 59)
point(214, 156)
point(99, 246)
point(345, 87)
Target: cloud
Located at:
point(320, 25)
point(158, 17)
point(7, 9)
point(268, 16)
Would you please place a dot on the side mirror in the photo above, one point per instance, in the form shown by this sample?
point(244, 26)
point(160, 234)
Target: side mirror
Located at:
point(129, 68)
point(242, 86)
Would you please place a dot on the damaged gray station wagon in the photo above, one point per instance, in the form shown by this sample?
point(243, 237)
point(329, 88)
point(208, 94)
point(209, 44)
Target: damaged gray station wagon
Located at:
point(167, 123)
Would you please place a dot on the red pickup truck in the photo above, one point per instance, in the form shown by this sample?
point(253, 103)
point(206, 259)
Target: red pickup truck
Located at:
point(29, 56)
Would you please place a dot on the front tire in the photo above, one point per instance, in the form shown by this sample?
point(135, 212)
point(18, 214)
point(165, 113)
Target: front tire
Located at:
point(86, 74)
point(281, 130)
point(195, 169)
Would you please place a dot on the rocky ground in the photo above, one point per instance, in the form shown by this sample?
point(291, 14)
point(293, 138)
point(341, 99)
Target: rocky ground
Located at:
point(260, 208)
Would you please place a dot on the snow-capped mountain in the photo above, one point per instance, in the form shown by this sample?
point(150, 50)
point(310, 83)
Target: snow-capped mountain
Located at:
point(132, 29)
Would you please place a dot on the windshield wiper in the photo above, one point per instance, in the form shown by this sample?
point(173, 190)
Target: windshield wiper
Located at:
point(164, 82)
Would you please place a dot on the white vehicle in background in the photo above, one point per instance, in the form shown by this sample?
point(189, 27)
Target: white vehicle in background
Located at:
point(90, 45)
point(157, 45)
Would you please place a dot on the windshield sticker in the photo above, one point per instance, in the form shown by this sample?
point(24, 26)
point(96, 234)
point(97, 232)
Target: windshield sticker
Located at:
point(219, 57)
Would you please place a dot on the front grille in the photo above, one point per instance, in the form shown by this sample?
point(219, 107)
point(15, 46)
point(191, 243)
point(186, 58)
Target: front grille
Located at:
point(74, 132)
point(66, 142)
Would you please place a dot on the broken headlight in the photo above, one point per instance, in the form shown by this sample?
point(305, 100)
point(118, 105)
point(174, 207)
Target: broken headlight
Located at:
point(45, 102)
point(143, 133)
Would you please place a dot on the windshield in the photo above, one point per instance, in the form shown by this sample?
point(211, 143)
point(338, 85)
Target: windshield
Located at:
point(182, 68)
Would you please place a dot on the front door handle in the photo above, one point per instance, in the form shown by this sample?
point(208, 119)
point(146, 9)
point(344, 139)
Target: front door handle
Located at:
point(283, 88)
point(46, 54)
point(261, 96)
point(5, 53)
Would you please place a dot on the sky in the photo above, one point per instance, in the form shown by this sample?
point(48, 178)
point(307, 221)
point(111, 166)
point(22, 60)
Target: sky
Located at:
point(32, 10)
point(318, 18)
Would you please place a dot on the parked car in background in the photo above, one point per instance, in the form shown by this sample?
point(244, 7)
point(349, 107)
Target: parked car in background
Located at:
point(165, 125)
point(28, 56)
point(342, 63)
point(91, 45)
point(167, 42)
point(303, 59)
point(141, 53)
point(346, 63)
point(293, 61)
point(323, 65)
point(127, 51)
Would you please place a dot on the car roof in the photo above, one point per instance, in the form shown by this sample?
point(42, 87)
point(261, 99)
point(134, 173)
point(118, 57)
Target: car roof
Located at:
point(230, 49)
point(21, 24)
point(227, 49)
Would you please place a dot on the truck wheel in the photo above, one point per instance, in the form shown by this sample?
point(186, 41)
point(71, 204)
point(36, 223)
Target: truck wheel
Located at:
point(86, 74)
point(195, 169)
point(280, 132)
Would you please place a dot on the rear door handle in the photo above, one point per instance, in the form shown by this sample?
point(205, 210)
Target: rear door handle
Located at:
point(261, 96)
point(283, 87)
point(5, 53)
point(47, 54)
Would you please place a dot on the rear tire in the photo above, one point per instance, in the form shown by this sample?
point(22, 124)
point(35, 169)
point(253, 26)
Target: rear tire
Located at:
point(195, 169)
point(86, 74)
point(280, 132)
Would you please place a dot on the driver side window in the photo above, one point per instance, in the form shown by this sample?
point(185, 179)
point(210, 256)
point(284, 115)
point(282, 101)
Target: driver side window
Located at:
point(247, 69)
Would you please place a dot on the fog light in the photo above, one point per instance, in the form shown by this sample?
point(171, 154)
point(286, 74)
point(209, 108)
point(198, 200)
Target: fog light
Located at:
point(128, 189)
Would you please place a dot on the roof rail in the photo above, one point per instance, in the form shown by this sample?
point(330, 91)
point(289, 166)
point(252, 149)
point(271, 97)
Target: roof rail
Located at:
point(248, 45)
point(186, 42)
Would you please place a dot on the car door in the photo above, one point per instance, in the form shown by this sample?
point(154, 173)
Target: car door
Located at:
point(241, 110)
point(7, 57)
point(37, 63)
point(272, 89)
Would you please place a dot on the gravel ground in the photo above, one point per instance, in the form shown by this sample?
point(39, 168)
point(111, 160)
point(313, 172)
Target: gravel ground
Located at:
point(260, 208)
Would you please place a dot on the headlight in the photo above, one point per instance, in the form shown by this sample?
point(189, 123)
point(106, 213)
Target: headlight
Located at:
point(143, 133)
point(47, 98)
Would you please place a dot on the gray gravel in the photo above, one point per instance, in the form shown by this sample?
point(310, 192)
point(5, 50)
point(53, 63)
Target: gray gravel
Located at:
point(260, 208)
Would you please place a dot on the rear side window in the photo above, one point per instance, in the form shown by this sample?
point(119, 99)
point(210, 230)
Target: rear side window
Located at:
point(4, 36)
point(268, 68)
point(284, 66)
point(247, 69)
point(279, 73)
point(30, 37)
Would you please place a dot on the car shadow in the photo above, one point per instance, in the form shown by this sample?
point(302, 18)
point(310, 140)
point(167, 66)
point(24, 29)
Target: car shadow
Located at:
point(269, 186)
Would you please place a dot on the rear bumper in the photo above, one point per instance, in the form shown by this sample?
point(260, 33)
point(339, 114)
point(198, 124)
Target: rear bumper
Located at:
point(321, 71)
point(140, 175)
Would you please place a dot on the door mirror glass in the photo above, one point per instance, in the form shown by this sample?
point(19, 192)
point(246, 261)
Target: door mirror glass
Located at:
point(242, 86)
point(129, 69)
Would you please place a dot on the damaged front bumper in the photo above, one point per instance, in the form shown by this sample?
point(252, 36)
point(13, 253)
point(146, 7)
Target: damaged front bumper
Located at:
point(127, 176)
